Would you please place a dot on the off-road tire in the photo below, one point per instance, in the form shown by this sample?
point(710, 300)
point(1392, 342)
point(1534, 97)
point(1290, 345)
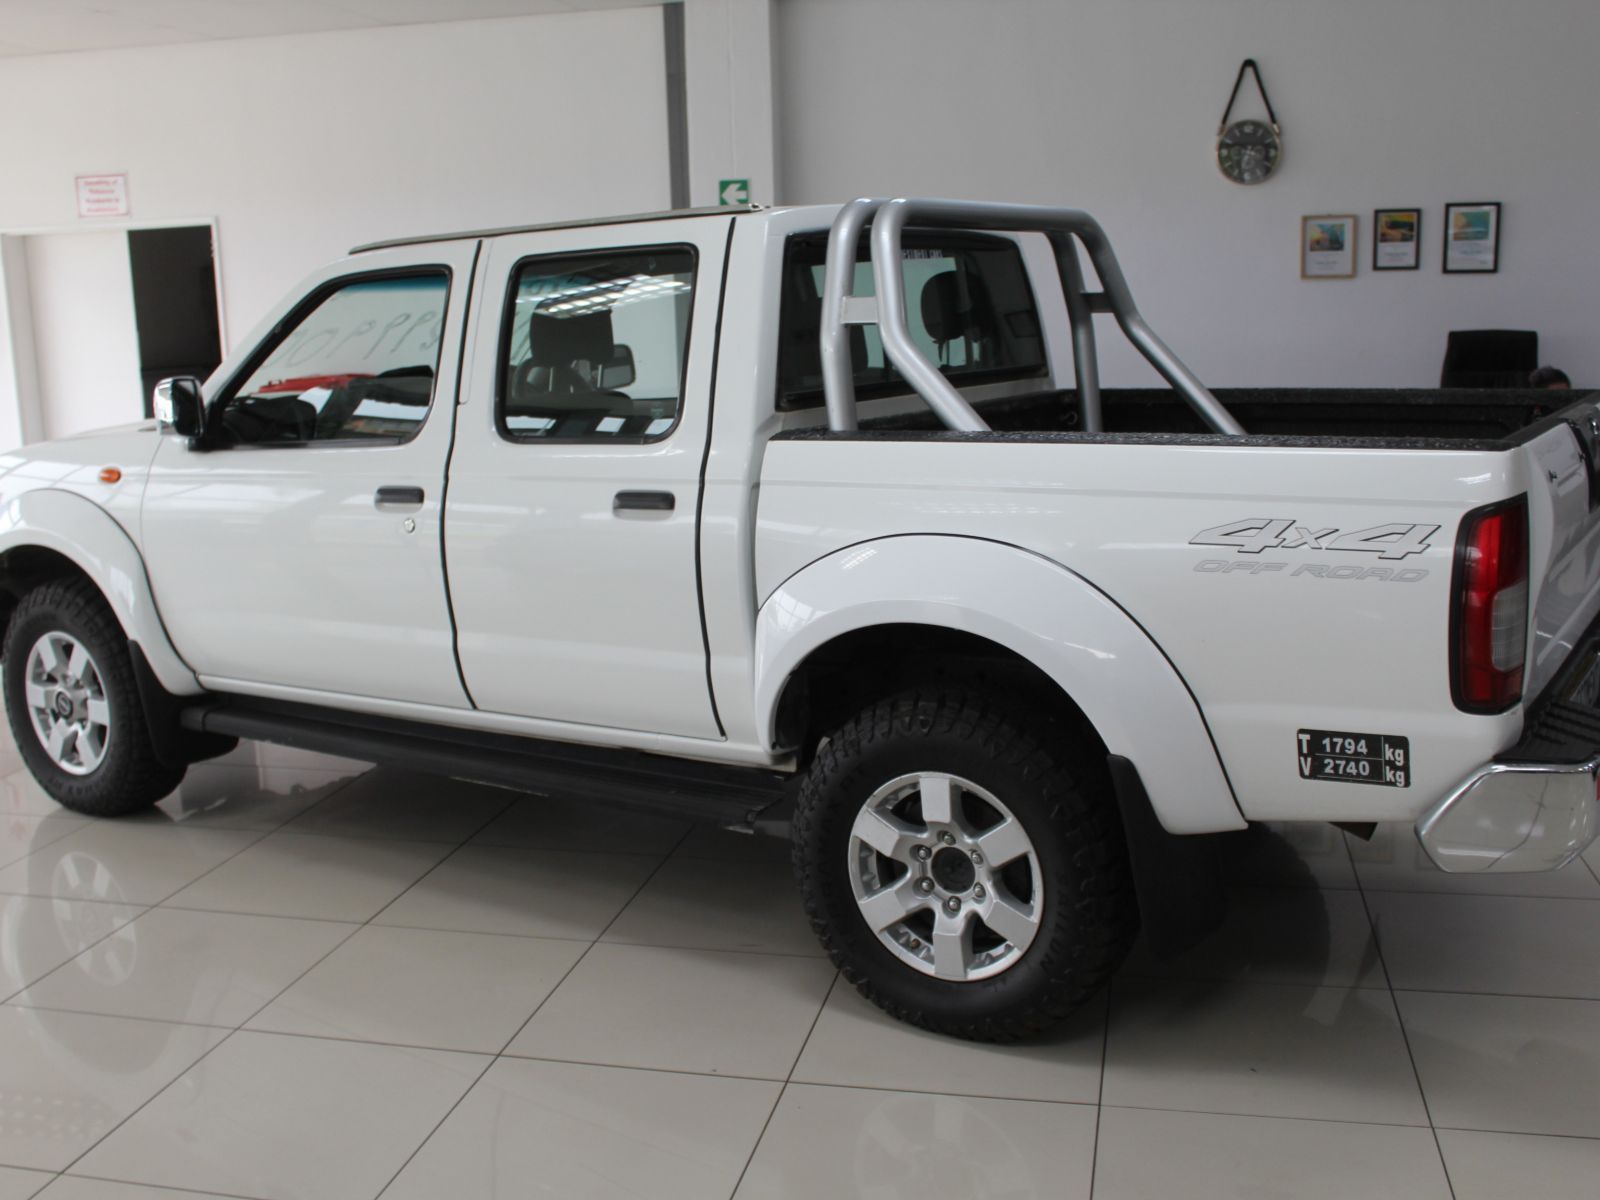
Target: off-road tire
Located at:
point(1049, 773)
point(129, 779)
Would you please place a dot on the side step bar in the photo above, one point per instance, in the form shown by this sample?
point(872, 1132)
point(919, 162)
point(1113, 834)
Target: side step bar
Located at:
point(741, 798)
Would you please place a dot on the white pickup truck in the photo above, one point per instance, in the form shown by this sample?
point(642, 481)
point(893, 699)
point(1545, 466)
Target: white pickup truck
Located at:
point(818, 520)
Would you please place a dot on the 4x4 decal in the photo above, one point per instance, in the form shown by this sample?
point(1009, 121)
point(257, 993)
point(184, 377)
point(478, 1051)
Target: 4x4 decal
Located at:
point(1255, 534)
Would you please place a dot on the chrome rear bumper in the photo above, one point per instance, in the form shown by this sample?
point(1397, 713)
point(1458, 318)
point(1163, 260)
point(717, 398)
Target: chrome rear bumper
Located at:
point(1515, 817)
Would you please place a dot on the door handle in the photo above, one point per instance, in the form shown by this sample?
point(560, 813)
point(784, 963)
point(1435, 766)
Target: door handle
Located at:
point(644, 501)
point(409, 497)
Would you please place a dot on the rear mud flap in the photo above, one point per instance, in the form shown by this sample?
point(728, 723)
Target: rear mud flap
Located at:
point(1178, 879)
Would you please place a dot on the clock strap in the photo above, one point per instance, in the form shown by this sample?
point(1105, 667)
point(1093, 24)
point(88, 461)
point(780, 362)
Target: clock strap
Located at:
point(1249, 64)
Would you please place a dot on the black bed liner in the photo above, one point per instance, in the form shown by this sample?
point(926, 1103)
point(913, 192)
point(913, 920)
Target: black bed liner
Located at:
point(1370, 419)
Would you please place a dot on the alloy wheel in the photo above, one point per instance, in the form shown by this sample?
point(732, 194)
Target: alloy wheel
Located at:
point(946, 876)
point(67, 703)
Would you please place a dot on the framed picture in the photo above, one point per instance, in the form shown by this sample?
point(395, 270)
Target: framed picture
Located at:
point(1327, 247)
point(1471, 238)
point(1396, 239)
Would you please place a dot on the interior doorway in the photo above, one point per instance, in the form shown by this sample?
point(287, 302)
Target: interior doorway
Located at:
point(109, 312)
point(174, 303)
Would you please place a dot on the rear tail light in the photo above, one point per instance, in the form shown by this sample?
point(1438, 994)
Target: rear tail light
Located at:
point(1489, 624)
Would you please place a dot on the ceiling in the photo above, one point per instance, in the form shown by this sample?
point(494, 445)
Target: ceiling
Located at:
point(61, 26)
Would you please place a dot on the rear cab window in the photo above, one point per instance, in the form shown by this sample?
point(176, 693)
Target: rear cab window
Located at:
point(968, 305)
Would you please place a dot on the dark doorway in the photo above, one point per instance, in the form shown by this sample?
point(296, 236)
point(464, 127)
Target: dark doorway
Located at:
point(174, 304)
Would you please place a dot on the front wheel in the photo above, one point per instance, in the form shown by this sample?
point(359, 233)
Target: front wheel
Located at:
point(74, 706)
point(962, 861)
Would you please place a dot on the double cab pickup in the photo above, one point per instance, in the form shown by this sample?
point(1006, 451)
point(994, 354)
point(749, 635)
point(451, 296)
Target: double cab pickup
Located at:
point(818, 521)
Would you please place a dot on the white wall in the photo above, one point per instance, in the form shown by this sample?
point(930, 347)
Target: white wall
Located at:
point(304, 146)
point(728, 52)
point(86, 346)
point(20, 417)
point(1112, 106)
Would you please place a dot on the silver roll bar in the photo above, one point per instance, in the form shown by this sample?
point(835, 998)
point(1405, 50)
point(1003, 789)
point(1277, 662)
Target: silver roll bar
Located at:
point(1066, 228)
point(838, 286)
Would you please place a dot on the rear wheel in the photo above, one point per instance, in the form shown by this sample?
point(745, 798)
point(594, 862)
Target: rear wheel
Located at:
point(74, 707)
point(963, 863)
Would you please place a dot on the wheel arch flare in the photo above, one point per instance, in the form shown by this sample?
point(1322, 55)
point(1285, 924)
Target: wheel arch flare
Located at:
point(1089, 647)
point(90, 540)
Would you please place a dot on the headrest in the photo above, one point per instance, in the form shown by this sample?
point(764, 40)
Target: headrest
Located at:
point(943, 314)
point(560, 341)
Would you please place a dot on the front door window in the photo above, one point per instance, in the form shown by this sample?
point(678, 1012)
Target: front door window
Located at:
point(357, 365)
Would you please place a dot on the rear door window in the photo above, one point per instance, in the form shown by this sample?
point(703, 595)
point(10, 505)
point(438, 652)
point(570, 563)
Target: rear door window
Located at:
point(594, 345)
point(968, 305)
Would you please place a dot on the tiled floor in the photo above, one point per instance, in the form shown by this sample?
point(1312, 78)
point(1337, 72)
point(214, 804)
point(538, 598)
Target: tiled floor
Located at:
point(302, 978)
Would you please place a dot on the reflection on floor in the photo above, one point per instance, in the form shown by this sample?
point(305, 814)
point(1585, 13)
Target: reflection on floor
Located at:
point(304, 978)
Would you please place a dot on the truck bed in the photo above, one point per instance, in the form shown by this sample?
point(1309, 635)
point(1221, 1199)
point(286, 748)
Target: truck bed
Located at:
point(1459, 419)
point(1272, 640)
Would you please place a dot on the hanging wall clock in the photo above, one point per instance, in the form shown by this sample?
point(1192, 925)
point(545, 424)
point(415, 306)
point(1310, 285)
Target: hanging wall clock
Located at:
point(1249, 151)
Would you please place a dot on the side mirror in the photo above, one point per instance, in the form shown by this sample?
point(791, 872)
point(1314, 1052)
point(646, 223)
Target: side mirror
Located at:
point(617, 371)
point(179, 406)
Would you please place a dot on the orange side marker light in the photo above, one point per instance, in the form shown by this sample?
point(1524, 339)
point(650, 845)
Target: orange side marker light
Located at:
point(110, 474)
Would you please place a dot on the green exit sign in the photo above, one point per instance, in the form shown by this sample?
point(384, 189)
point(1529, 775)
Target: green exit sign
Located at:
point(733, 191)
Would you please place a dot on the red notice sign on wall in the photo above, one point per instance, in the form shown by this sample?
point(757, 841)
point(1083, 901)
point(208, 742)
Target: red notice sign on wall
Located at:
point(102, 195)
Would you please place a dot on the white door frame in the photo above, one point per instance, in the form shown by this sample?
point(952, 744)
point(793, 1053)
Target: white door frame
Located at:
point(128, 225)
point(16, 308)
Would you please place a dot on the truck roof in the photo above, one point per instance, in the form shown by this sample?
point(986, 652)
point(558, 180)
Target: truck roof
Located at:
point(718, 210)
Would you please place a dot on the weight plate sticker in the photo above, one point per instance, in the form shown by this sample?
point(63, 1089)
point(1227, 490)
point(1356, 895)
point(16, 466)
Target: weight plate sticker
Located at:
point(1382, 759)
